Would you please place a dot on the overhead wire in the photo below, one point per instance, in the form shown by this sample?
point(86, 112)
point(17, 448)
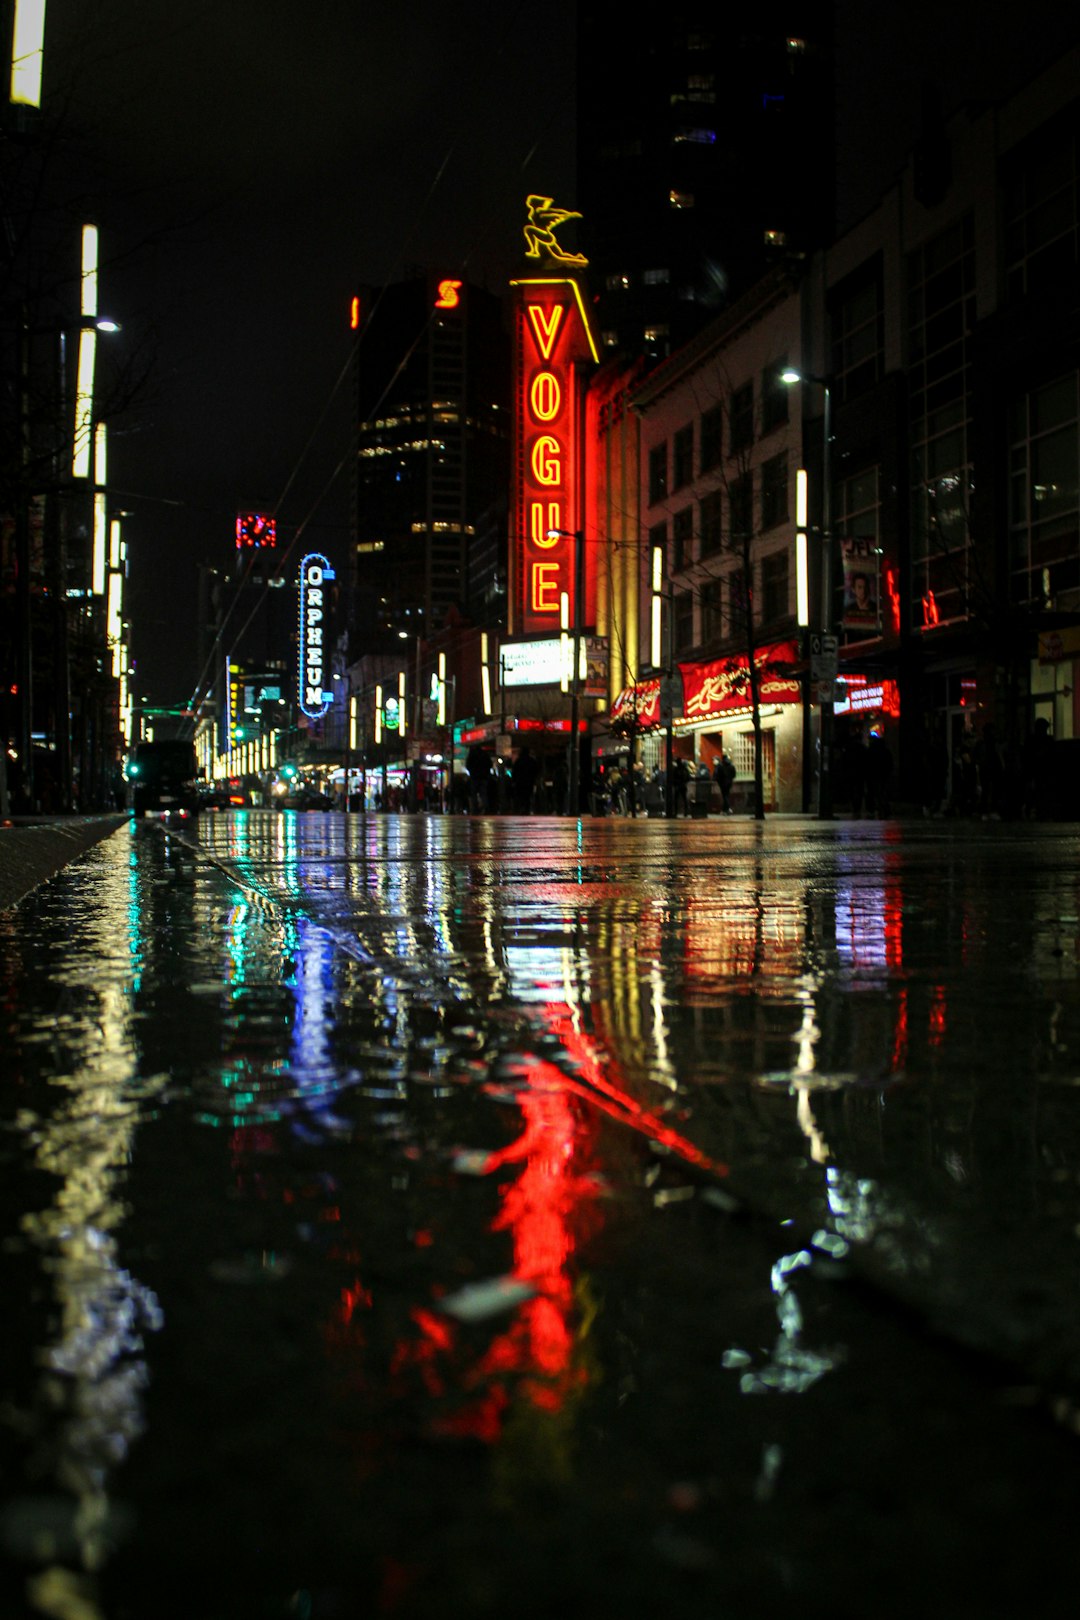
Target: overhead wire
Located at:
point(204, 681)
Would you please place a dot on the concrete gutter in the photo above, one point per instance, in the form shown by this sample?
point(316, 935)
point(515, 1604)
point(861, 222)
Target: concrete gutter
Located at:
point(32, 849)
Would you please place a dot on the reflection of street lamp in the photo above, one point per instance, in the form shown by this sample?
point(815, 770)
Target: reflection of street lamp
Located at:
point(790, 377)
point(578, 537)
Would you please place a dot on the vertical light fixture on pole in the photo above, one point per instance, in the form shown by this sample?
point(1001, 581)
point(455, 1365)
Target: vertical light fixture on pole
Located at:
point(83, 438)
point(27, 52)
point(802, 614)
point(485, 675)
point(573, 785)
point(828, 640)
point(101, 522)
point(661, 658)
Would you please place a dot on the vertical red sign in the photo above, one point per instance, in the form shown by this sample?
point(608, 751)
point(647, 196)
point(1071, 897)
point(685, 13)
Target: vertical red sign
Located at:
point(551, 339)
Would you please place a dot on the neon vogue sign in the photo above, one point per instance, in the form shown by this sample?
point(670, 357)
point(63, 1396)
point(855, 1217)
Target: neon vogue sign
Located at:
point(315, 571)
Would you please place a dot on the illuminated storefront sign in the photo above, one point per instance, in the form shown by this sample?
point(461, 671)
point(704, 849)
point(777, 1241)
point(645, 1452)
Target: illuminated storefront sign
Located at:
point(253, 529)
point(638, 705)
point(864, 697)
point(552, 339)
point(449, 294)
point(723, 686)
point(315, 574)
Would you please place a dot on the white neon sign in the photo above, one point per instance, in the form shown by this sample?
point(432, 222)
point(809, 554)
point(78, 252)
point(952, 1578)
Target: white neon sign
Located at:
point(315, 572)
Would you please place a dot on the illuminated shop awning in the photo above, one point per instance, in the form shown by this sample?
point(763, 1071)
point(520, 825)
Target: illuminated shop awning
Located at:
point(863, 696)
point(637, 705)
point(721, 688)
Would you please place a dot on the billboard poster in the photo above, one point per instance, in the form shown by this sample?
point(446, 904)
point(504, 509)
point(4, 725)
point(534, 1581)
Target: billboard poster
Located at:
point(861, 594)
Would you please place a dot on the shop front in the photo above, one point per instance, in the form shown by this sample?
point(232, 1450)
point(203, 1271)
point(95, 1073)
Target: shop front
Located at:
point(718, 715)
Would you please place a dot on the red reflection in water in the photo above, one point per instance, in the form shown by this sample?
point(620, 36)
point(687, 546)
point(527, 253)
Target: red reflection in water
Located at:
point(537, 1359)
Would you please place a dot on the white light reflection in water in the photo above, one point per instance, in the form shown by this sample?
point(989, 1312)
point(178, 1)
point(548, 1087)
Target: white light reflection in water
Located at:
point(790, 1368)
point(95, 1373)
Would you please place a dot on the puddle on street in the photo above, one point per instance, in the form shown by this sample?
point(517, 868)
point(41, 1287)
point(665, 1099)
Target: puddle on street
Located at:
point(379, 1193)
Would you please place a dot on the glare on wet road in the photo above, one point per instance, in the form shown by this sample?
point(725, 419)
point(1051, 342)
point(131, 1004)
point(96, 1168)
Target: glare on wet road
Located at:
point(387, 1199)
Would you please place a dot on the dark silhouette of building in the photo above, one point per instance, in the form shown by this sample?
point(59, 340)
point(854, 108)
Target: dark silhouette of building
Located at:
point(705, 157)
point(431, 469)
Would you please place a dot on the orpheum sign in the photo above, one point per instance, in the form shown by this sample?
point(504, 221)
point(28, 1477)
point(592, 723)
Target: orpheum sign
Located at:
point(552, 338)
point(313, 671)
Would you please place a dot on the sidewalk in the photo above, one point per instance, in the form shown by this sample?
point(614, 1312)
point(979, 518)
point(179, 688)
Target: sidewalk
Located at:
point(33, 848)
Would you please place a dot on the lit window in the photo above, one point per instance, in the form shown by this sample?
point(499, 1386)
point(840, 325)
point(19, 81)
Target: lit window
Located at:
point(694, 137)
point(775, 238)
point(681, 199)
point(617, 283)
point(610, 340)
point(655, 334)
point(656, 278)
point(796, 47)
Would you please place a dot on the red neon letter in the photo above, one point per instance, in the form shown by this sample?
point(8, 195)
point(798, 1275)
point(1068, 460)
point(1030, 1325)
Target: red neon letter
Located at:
point(545, 396)
point(546, 460)
point(544, 518)
point(545, 587)
point(545, 325)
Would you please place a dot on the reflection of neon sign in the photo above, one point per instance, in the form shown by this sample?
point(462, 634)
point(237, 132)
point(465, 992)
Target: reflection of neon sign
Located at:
point(315, 571)
point(552, 336)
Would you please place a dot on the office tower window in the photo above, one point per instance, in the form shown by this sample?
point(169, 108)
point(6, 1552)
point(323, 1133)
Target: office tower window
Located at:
point(658, 474)
point(711, 523)
point(682, 459)
point(774, 491)
point(742, 418)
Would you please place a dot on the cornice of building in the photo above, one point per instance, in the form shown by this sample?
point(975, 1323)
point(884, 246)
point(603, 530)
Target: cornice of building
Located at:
point(763, 297)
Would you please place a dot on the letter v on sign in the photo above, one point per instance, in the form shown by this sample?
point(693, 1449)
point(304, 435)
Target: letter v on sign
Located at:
point(545, 325)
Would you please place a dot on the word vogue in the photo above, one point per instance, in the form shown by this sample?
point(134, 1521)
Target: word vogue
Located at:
point(553, 341)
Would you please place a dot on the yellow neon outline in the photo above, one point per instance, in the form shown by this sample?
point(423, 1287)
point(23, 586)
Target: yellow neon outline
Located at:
point(544, 568)
point(564, 281)
point(556, 403)
point(546, 335)
point(547, 446)
point(541, 533)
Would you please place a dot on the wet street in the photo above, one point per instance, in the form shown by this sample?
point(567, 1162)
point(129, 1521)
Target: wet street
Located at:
point(440, 1216)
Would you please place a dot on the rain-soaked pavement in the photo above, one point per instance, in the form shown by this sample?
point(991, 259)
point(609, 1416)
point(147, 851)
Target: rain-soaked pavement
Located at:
point(424, 1217)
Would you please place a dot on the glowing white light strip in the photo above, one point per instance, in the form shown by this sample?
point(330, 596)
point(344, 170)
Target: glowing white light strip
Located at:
point(27, 52)
point(88, 303)
point(84, 404)
point(114, 620)
point(101, 523)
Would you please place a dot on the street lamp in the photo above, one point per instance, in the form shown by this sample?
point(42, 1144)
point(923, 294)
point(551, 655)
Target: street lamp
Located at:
point(791, 377)
point(573, 787)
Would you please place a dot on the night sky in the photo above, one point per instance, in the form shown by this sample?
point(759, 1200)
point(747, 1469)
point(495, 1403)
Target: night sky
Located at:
point(251, 161)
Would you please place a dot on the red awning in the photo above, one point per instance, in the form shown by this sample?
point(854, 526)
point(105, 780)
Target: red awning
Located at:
point(640, 703)
point(723, 685)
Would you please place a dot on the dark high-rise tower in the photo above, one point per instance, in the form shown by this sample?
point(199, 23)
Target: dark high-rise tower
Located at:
point(432, 447)
point(705, 156)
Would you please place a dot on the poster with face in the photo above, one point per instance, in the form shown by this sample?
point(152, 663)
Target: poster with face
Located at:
point(860, 560)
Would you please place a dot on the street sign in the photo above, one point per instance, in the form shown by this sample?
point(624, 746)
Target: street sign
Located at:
point(824, 661)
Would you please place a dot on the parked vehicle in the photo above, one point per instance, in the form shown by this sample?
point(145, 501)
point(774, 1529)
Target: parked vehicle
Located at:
point(304, 799)
point(164, 777)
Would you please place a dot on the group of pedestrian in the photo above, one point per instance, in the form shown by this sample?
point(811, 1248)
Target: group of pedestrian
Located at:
point(868, 768)
point(991, 780)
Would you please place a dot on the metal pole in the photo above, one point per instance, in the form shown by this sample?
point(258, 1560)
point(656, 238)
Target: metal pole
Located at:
point(669, 774)
point(24, 664)
point(575, 685)
point(825, 785)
